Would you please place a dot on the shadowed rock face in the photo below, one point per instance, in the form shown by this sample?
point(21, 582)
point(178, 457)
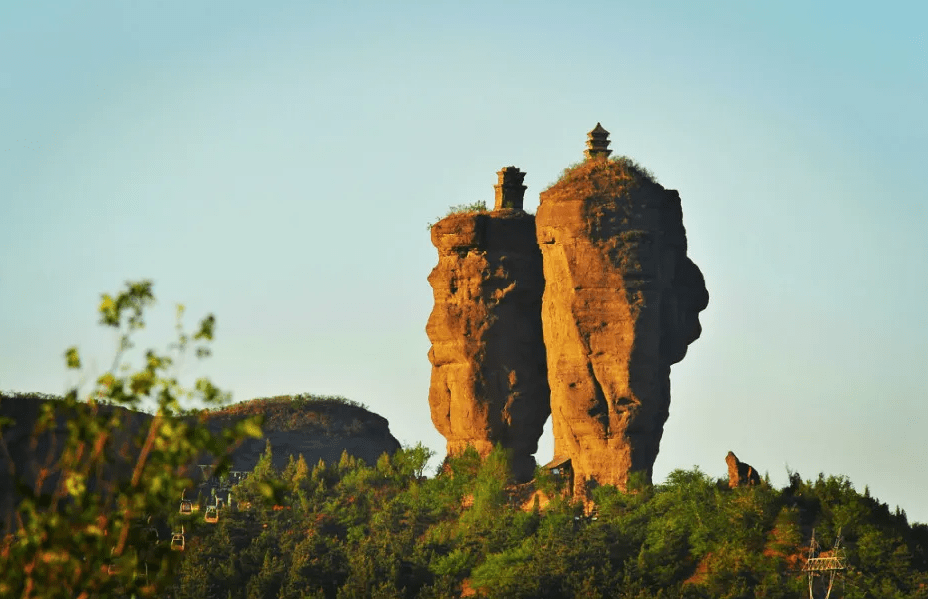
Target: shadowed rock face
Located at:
point(621, 304)
point(489, 383)
point(317, 430)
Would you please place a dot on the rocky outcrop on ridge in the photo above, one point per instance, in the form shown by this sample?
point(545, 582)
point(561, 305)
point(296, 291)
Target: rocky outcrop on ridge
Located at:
point(740, 474)
point(318, 428)
point(621, 304)
point(489, 383)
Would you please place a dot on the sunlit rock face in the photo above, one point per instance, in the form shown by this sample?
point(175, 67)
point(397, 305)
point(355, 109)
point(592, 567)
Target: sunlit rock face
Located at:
point(740, 474)
point(621, 304)
point(489, 383)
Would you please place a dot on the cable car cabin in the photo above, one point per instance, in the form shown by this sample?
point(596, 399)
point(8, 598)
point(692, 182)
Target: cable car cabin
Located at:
point(112, 568)
point(186, 507)
point(563, 472)
point(178, 542)
point(211, 514)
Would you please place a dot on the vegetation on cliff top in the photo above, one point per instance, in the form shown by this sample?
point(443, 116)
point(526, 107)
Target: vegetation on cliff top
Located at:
point(478, 206)
point(281, 412)
point(301, 411)
point(588, 176)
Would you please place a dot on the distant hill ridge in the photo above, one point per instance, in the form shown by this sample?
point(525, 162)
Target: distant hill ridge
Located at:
point(290, 412)
point(316, 427)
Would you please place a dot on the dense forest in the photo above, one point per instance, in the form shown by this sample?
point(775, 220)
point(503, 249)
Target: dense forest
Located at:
point(353, 530)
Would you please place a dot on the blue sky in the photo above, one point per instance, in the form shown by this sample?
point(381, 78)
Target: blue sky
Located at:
point(278, 166)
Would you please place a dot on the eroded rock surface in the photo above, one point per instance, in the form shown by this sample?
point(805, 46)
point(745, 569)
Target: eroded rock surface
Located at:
point(621, 304)
point(740, 474)
point(489, 383)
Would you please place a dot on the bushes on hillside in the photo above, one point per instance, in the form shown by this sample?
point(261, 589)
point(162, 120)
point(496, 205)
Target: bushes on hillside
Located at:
point(353, 530)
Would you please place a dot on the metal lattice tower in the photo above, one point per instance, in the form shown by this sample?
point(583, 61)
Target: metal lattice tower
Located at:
point(824, 564)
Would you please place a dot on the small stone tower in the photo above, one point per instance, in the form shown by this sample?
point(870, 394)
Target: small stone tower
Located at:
point(597, 143)
point(510, 192)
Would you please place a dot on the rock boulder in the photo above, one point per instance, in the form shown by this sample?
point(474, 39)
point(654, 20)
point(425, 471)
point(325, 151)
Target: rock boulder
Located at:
point(739, 473)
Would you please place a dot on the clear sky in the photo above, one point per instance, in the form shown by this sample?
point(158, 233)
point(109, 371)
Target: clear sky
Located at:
point(277, 164)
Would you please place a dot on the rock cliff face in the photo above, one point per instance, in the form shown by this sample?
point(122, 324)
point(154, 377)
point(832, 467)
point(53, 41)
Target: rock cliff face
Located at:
point(489, 383)
point(621, 304)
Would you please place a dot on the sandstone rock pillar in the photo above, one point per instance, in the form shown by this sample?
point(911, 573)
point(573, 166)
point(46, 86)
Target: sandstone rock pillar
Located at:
point(621, 304)
point(489, 382)
point(740, 474)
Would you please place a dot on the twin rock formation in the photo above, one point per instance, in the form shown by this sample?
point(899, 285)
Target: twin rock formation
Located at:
point(577, 312)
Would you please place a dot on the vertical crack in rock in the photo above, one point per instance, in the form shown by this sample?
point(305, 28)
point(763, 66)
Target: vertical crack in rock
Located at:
point(489, 380)
point(621, 304)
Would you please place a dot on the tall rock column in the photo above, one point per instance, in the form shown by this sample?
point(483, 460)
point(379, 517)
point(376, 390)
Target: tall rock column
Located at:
point(489, 383)
point(621, 304)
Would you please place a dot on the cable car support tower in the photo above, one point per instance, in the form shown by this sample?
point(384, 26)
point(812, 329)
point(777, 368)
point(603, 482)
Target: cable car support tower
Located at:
point(824, 564)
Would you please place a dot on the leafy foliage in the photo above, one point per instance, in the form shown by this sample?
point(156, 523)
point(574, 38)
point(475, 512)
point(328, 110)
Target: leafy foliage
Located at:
point(618, 168)
point(290, 402)
point(478, 206)
point(325, 414)
point(354, 530)
point(83, 523)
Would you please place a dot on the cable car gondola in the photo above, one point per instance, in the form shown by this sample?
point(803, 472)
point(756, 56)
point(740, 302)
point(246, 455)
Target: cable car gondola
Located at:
point(178, 540)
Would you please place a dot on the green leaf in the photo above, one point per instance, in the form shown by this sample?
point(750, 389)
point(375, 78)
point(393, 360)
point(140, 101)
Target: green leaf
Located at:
point(251, 428)
point(207, 326)
point(72, 358)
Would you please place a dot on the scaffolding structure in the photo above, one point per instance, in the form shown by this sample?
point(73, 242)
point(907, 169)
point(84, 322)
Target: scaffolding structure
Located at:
point(824, 564)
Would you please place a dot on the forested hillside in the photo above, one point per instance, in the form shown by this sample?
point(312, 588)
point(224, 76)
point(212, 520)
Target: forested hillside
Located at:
point(350, 530)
